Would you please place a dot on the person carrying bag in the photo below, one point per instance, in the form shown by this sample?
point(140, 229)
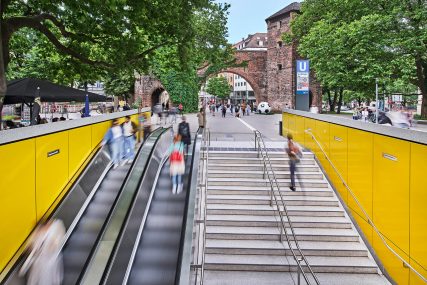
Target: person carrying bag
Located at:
point(177, 164)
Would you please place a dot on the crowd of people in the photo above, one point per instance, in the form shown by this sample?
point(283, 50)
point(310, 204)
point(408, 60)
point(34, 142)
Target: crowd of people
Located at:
point(237, 110)
point(121, 140)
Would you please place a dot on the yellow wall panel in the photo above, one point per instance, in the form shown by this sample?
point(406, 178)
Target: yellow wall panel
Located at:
point(322, 135)
point(299, 129)
point(393, 265)
point(338, 155)
point(285, 124)
point(98, 132)
point(80, 146)
point(17, 190)
point(309, 124)
point(418, 209)
point(292, 124)
point(360, 174)
point(51, 171)
point(391, 189)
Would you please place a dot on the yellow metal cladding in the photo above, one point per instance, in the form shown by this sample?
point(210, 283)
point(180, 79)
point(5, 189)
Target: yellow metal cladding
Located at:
point(17, 203)
point(299, 129)
point(285, 124)
point(418, 211)
point(360, 174)
point(80, 146)
point(387, 175)
point(51, 169)
point(322, 135)
point(98, 132)
point(338, 155)
point(309, 124)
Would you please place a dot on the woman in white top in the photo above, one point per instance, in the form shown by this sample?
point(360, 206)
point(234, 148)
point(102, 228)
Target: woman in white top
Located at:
point(114, 138)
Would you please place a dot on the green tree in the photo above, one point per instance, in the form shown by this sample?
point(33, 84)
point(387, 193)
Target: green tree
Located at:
point(110, 35)
point(350, 43)
point(218, 86)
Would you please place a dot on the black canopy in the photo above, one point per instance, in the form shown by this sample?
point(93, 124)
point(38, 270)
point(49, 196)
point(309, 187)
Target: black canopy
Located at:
point(25, 90)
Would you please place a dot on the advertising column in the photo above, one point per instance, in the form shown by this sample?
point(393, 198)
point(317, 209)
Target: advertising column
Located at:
point(302, 96)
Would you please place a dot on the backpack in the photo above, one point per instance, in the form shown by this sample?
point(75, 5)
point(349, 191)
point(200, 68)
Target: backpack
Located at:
point(184, 130)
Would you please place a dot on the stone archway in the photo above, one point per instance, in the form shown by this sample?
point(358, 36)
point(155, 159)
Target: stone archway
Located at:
point(253, 70)
point(147, 88)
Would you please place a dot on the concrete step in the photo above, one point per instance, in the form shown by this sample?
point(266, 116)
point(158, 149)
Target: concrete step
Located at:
point(259, 167)
point(213, 277)
point(260, 174)
point(306, 183)
point(321, 264)
point(252, 190)
point(254, 160)
point(271, 221)
point(265, 200)
point(267, 247)
point(272, 233)
point(262, 210)
point(254, 154)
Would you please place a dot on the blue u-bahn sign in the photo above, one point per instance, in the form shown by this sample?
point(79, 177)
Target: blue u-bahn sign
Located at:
point(303, 77)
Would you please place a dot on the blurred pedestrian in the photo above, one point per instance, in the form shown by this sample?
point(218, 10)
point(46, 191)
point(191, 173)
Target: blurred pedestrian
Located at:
point(177, 164)
point(248, 109)
point(184, 132)
point(129, 139)
point(294, 154)
point(35, 111)
point(180, 108)
point(114, 139)
point(201, 116)
point(146, 127)
point(44, 262)
point(224, 110)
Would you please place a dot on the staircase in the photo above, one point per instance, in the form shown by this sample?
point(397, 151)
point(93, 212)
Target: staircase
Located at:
point(242, 234)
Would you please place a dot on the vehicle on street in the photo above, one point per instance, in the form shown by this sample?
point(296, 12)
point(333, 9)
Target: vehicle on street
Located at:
point(264, 108)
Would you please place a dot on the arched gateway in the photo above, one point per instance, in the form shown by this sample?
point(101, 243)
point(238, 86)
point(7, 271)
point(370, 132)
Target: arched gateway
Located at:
point(270, 70)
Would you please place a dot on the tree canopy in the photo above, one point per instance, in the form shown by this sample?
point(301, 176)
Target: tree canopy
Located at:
point(218, 86)
point(351, 43)
point(82, 41)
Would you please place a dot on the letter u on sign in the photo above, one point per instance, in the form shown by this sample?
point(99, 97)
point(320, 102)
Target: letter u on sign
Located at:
point(303, 66)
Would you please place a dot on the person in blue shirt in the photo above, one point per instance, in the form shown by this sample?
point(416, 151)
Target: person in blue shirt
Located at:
point(114, 139)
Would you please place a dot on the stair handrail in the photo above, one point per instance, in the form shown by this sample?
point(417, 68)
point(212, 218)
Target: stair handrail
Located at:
point(262, 149)
point(203, 192)
point(308, 131)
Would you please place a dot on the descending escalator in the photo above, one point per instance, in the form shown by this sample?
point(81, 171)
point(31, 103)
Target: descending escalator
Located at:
point(150, 247)
point(86, 209)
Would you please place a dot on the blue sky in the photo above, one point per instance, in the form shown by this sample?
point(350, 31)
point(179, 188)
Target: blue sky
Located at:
point(248, 16)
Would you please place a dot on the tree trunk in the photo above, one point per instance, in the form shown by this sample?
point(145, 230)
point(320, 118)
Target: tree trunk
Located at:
point(334, 102)
point(3, 85)
point(422, 85)
point(329, 97)
point(341, 91)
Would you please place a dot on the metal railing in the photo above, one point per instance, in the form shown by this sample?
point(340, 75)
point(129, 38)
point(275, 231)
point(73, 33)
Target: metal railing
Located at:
point(308, 131)
point(268, 171)
point(203, 189)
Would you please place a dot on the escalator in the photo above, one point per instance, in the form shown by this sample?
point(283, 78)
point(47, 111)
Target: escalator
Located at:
point(150, 248)
point(86, 209)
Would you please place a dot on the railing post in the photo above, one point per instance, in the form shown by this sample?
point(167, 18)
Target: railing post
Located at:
point(271, 196)
point(299, 270)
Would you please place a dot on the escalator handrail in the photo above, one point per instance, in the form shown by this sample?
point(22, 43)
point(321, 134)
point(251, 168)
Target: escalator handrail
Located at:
point(141, 228)
point(114, 207)
point(190, 186)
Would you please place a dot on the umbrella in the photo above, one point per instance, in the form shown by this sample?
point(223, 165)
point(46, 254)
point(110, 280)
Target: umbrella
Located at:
point(87, 110)
point(25, 90)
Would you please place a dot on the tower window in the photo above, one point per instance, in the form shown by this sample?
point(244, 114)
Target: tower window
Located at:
point(279, 66)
